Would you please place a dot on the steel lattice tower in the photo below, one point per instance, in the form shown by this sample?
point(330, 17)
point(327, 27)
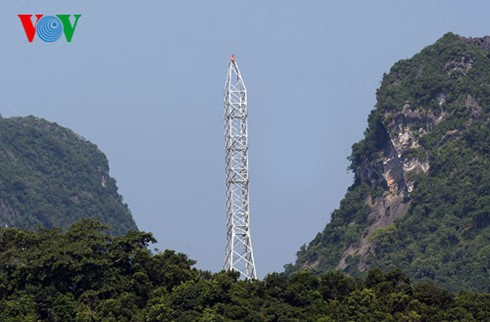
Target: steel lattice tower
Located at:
point(239, 254)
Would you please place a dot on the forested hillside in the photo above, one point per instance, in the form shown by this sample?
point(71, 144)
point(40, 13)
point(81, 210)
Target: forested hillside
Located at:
point(52, 177)
point(86, 274)
point(420, 201)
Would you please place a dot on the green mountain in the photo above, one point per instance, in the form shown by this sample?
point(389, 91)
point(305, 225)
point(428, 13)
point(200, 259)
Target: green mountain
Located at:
point(420, 200)
point(52, 177)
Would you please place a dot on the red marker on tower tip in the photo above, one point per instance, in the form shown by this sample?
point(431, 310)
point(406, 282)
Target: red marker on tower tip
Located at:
point(233, 58)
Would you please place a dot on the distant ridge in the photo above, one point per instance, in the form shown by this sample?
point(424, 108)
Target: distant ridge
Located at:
point(52, 177)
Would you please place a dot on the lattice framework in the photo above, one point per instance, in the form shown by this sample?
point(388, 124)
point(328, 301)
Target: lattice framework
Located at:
point(239, 252)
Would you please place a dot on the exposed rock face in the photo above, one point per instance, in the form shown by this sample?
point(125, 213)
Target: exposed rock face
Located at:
point(383, 213)
point(409, 155)
point(411, 205)
point(402, 155)
point(482, 42)
point(460, 65)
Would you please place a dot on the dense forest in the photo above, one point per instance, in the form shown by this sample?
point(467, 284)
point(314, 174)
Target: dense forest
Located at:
point(420, 200)
point(52, 177)
point(87, 274)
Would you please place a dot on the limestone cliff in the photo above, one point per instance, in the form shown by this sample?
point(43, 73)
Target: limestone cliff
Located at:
point(422, 180)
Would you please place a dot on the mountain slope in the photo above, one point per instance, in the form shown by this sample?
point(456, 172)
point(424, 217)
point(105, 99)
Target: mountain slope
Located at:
point(50, 176)
point(421, 197)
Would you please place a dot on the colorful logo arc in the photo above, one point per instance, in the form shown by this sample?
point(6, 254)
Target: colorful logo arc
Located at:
point(49, 28)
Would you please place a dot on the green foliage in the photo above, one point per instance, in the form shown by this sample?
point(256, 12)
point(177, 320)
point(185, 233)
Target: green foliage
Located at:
point(383, 237)
point(444, 235)
point(346, 227)
point(85, 274)
point(52, 177)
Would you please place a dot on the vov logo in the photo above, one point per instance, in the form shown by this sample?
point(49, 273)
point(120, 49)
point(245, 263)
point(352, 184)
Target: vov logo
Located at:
point(49, 28)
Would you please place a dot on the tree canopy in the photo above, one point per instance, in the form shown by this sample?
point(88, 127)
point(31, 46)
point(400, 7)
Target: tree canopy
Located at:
point(86, 274)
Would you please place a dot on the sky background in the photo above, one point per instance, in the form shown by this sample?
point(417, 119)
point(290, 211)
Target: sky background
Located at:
point(144, 81)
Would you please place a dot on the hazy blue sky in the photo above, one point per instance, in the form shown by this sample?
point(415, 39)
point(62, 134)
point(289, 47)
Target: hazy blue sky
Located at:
point(144, 81)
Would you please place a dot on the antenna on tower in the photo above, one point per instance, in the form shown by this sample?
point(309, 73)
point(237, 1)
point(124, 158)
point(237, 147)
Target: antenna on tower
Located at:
point(239, 254)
